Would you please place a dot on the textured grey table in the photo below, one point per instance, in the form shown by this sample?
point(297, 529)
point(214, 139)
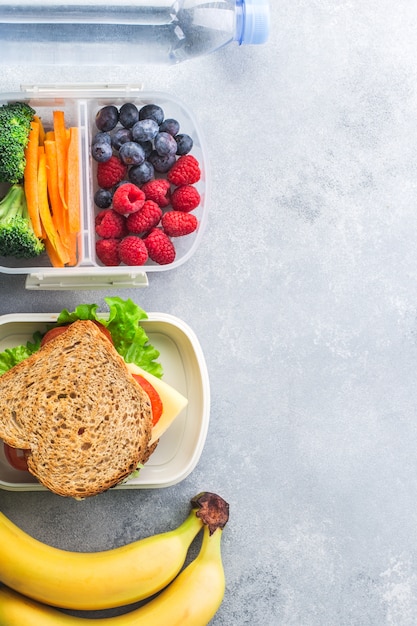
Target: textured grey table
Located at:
point(304, 297)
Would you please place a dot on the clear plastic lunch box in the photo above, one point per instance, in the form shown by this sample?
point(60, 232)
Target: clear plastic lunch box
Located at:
point(180, 447)
point(80, 105)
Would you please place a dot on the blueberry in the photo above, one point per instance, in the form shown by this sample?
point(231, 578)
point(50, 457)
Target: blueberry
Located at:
point(103, 198)
point(100, 136)
point(153, 112)
point(165, 144)
point(101, 151)
point(128, 115)
point(184, 144)
point(147, 146)
point(145, 130)
point(107, 118)
point(143, 173)
point(170, 126)
point(131, 153)
point(162, 164)
point(120, 183)
point(120, 136)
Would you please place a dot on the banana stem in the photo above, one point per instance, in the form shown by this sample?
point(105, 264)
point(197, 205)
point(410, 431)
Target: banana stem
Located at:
point(212, 510)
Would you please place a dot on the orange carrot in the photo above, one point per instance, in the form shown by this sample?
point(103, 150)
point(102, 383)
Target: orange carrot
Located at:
point(72, 249)
point(53, 255)
point(49, 135)
point(31, 178)
point(59, 213)
point(62, 150)
point(38, 120)
point(73, 182)
point(45, 214)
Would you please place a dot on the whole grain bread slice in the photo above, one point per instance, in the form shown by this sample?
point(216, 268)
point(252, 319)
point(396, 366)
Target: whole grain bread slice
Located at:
point(78, 411)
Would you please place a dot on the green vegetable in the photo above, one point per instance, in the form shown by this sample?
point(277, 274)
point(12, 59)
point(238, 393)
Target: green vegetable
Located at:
point(11, 356)
point(17, 237)
point(123, 322)
point(15, 119)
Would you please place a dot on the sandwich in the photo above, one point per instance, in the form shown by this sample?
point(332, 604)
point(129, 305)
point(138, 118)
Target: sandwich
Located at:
point(85, 418)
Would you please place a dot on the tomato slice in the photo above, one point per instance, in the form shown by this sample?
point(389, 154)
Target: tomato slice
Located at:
point(58, 330)
point(16, 457)
point(154, 397)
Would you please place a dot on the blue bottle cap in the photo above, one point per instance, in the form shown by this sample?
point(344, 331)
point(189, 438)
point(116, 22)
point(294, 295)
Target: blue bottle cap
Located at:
point(255, 22)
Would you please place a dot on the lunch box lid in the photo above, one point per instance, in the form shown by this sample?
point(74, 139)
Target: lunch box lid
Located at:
point(80, 102)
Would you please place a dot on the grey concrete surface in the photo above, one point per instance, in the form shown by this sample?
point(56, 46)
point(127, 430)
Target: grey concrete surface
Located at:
point(303, 294)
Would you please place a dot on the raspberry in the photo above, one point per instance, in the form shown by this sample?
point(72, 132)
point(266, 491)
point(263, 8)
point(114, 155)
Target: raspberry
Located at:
point(133, 251)
point(107, 251)
point(160, 247)
point(110, 225)
point(185, 171)
point(158, 190)
point(178, 223)
point(128, 198)
point(145, 219)
point(111, 172)
point(185, 198)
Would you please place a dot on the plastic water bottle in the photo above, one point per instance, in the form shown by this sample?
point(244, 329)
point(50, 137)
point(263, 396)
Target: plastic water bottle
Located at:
point(118, 32)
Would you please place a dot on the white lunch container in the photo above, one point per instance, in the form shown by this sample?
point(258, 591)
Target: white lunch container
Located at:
point(180, 447)
point(80, 105)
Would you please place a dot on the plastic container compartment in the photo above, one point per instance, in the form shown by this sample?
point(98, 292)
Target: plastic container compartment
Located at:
point(180, 447)
point(80, 105)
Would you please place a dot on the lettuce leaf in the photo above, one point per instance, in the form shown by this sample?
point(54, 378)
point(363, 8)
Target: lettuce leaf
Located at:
point(123, 322)
point(12, 356)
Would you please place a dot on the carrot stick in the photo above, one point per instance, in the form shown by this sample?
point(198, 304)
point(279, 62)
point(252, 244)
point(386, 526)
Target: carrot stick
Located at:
point(62, 150)
point(31, 178)
point(59, 213)
point(72, 250)
point(49, 135)
point(73, 182)
point(38, 120)
point(52, 254)
point(45, 214)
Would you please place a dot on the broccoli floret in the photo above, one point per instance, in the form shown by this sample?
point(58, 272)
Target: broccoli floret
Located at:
point(15, 120)
point(17, 237)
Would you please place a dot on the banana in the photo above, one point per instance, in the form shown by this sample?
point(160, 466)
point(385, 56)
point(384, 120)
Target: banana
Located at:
point(192, 599)
point(94, 580)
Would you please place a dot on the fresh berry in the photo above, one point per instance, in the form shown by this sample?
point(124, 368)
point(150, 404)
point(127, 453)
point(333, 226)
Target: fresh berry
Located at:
point(107, 118)
point(131, 153)
point(101, 151)
point(153, 112)
point(178, 223)
point(145, 130)
point(101, 137)
point(160, 247)
point(145, 219)
point(158, 190)
point(186, 171)
point(170, 126)
point(111, 172)
point(133, 251)
point(107, 251)
point(184, 144)
point(120, 136)
point(165, 144)
point(162, 164)
point(185, 198)
point(103, 198)
point(128, 114)
point(140, 174)
point(110, 225)
point(128, 198)
point(147, 146)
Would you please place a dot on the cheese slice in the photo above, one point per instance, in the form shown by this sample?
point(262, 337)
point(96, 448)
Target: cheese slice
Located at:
point(173, 402)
